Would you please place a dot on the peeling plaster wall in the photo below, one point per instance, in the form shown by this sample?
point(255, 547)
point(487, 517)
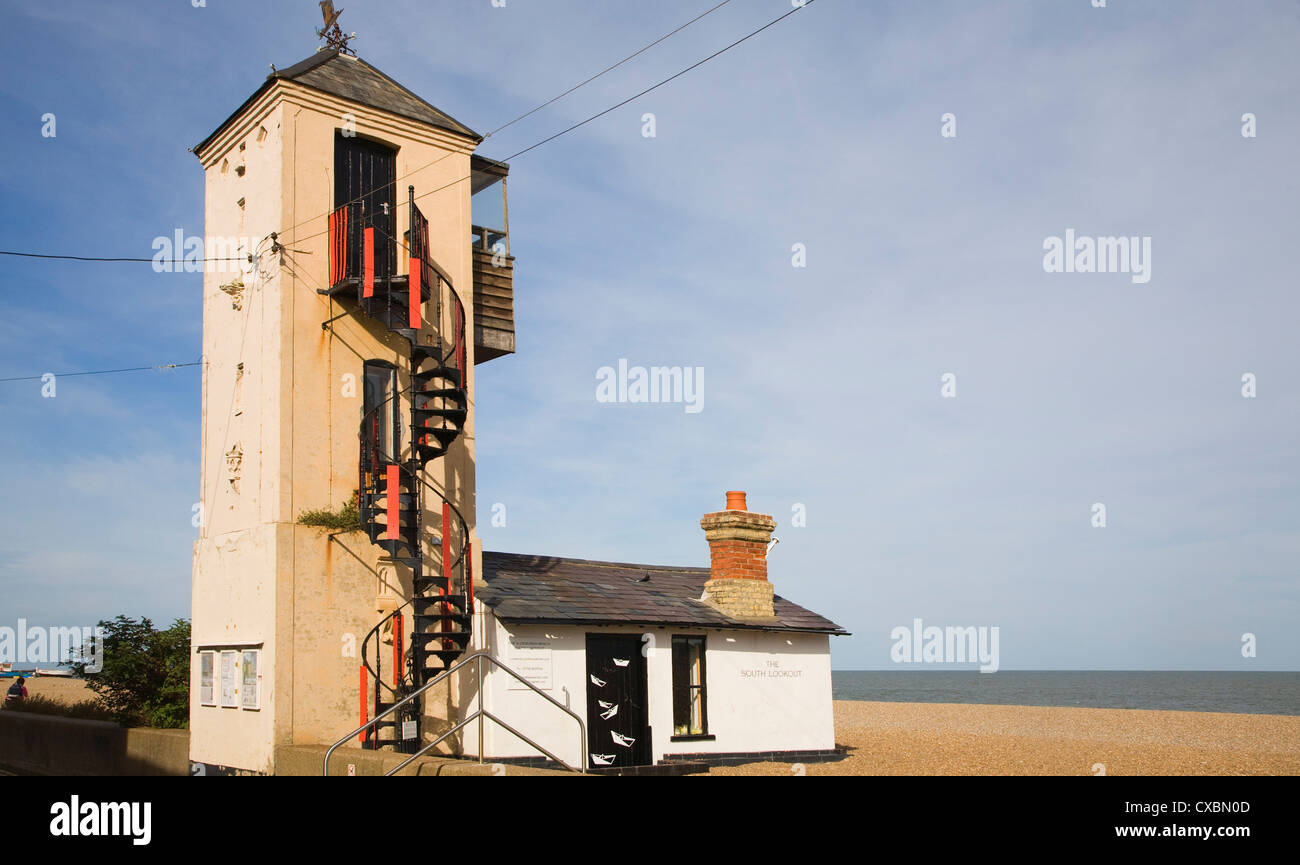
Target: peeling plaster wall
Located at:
point(283, 427)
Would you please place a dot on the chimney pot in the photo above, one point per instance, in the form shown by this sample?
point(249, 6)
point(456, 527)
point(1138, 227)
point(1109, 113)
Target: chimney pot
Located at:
point(736, 500)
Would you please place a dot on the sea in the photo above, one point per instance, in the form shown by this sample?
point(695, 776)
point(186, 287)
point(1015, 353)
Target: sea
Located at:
point(1243, 692)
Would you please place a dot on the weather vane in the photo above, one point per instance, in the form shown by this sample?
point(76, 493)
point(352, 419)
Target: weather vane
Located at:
point(332, 34)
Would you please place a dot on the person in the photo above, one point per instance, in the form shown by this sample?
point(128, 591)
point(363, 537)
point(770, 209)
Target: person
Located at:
point(17, 691)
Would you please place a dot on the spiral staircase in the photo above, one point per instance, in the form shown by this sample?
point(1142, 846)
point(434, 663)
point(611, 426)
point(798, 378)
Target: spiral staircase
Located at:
point(393, 495)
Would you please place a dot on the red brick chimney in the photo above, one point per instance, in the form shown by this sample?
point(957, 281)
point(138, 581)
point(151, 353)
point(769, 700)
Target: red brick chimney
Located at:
point(738, 542)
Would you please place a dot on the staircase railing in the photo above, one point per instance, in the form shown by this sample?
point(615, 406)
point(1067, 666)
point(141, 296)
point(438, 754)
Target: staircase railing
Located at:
point(455, 562)
point(361, 252)
point(478, 714)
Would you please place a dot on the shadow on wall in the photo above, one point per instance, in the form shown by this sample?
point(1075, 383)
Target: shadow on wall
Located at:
point(50, 745)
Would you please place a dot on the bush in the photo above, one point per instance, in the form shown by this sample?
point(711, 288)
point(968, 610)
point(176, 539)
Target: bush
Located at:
point(146, 675)
point(346, 519)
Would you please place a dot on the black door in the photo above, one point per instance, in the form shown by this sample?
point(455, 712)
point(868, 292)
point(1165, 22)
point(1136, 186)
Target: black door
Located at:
point(618, 722)
point(365, 173)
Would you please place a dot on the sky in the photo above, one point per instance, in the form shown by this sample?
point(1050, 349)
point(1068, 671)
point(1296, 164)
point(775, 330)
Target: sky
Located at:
point(841, 221)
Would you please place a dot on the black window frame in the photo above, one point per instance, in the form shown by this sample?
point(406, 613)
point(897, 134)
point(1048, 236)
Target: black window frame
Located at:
point(682, 691)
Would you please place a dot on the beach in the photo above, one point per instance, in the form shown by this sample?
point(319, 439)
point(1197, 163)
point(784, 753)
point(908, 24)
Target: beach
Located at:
point(969, 739)
point(973, 739)
point(56, 688)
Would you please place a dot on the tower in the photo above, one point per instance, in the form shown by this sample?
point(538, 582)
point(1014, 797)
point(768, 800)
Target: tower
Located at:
point(337, 555)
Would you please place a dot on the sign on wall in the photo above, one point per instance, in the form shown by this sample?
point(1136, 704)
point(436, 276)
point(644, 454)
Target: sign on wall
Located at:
point(251, 693)
point(530, 657)
point(772, 669)
point(207, 676)
point(228, 679)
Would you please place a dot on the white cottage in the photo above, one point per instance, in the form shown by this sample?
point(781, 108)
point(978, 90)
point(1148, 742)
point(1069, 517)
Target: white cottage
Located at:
point(663, 665)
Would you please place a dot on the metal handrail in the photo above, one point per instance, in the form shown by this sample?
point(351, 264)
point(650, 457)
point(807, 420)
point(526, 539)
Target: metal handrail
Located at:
point(478, 714)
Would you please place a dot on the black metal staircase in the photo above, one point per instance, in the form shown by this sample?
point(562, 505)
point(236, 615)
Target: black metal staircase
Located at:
point(392, 488)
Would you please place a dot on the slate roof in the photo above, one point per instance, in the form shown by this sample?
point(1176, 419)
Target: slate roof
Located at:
point(354, 79)
point(545, 589)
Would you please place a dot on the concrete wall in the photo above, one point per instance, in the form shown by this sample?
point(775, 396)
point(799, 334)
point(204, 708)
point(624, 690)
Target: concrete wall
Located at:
point(280, 421)
point(767, 691)
point(50, 745)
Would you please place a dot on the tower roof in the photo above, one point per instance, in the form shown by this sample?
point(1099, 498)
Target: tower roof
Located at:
point(356, 80)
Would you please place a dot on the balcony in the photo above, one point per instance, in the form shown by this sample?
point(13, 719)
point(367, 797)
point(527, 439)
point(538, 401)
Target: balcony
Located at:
point(494, 266)
point(494, 305)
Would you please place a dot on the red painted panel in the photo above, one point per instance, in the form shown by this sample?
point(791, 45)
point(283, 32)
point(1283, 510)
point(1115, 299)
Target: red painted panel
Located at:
point(393, 502)
point(364, 718)
point(368, 253)
point(413, 289)
point(334, 247)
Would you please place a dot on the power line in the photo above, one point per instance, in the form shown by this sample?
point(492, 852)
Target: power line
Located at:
point(608, 68)
point(175, 261)
point(547, 140)
point(102, 371)
point(516, 120)
point(531, 147)
point(695, 65)
point(598, 115)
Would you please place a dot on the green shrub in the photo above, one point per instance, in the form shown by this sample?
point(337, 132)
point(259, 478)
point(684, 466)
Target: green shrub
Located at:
point(145, 680)
point(346, 519)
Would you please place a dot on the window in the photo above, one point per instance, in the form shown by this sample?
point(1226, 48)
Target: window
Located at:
point(380, 409)
point(690, 702)
point(207, 694)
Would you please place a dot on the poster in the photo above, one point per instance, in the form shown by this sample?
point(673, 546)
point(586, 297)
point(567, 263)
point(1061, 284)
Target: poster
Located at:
point(228, 679)
point(207, 693)
point(251, 693)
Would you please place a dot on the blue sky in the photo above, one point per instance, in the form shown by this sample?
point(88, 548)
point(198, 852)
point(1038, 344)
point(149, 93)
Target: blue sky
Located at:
point(822, 383)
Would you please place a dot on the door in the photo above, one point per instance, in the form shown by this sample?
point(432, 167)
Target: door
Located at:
point(365, 173)
point(618, 720)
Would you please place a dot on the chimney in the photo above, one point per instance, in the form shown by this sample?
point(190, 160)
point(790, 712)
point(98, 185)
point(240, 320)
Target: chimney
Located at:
point(738, 541)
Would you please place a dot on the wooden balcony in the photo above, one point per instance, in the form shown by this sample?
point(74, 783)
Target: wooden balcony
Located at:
point(494, 295)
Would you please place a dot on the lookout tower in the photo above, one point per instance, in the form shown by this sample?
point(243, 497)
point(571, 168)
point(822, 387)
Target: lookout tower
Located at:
point(337, 558)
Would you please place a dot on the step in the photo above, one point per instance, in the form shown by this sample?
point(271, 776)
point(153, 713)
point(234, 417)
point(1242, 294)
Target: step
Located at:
point(405, 500)
point(452, 616)
point(441, 635)
point(422, 353)
point(455, 414)
point(391, 546)
point(424, 653)
point(456, 393)
point(426, 601)
point(444, 435)
point(448, 657)
point(420, 643)
point(458, 623)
